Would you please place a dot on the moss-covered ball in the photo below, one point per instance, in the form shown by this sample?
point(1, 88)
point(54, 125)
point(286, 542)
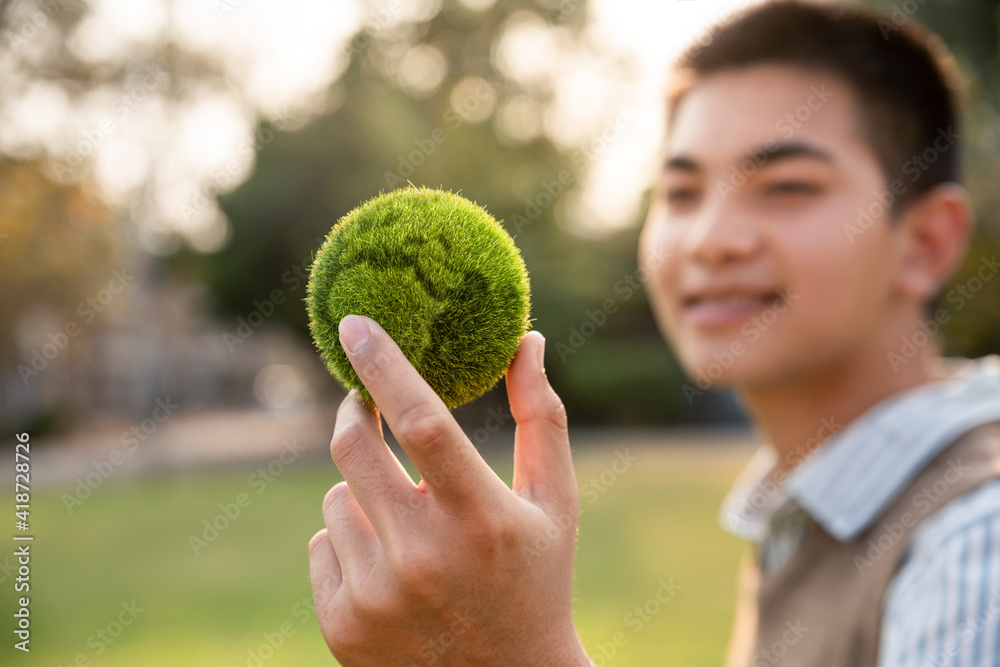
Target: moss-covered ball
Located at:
point(440, 275)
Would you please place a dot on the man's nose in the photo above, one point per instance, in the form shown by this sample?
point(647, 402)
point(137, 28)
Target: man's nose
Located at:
point(721, 234)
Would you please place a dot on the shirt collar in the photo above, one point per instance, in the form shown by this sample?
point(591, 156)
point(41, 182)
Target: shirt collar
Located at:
point(849, 481)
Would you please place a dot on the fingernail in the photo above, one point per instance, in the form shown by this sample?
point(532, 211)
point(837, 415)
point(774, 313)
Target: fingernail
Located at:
point(541, 354)
point(354, 332)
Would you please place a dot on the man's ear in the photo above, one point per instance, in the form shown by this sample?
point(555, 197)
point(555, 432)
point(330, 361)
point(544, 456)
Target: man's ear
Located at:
point(935, 232)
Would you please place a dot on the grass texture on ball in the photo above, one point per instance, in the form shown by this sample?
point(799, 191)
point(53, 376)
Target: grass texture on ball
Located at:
point(440, 275)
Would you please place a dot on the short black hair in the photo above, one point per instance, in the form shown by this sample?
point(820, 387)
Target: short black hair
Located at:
point(909, 88)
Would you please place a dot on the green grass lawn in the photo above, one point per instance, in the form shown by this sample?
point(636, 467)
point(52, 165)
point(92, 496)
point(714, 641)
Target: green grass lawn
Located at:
point(130, 542)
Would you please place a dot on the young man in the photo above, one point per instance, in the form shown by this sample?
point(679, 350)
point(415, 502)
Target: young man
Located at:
point(809, 211)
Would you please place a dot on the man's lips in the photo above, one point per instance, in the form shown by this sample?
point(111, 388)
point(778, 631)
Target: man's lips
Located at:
point(712, 308)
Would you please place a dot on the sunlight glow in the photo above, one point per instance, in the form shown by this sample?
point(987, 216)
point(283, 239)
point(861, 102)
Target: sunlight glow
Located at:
point(651, 34)
point(279, 58)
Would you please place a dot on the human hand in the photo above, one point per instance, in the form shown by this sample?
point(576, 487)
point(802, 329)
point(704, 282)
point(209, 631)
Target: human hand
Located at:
point(458, 569)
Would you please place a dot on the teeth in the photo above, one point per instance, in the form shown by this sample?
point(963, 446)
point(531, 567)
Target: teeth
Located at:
point(732, 300)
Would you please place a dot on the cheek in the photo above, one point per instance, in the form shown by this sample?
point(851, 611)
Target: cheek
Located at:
point(657, 259)
point(838, 282)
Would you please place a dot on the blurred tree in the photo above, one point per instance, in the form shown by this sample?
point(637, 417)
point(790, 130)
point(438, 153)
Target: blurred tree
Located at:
point(456, 133)
point(477, 131)
point(57, 250)
point(55, 243)
point(447, 96)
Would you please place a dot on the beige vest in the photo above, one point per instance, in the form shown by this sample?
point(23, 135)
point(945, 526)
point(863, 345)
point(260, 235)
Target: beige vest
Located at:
point(824, 606)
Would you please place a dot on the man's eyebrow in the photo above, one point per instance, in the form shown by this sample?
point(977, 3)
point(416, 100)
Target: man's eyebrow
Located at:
point(761, 156)
point(681, 163)
point(790, 150)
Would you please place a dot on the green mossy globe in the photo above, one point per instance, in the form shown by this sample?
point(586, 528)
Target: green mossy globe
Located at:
point(440, 275)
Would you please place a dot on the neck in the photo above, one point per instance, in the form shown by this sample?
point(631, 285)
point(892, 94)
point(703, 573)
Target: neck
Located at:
point(799, 415)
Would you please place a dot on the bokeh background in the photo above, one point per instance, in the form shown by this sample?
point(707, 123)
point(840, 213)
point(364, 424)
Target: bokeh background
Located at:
point(168, 167)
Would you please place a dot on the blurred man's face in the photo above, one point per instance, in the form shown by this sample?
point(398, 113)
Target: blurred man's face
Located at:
point(756, 271)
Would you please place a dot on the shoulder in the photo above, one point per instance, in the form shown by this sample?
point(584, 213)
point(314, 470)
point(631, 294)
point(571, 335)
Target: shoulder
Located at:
point(944, 603)
point(963, 517)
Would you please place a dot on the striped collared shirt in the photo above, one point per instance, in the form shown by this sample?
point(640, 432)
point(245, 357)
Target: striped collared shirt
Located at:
point(943, 606)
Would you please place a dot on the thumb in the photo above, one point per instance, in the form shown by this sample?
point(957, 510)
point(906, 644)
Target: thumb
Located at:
point(543, 468)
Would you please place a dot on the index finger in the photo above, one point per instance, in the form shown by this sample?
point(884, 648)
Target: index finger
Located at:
point(447, 461)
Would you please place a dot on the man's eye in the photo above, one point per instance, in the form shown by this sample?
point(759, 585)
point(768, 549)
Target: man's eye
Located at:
point(792, 187)
point(681, 195)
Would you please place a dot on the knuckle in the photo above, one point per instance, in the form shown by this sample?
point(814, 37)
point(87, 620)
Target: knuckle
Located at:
point(337, 496)
point(423, 425)
point(343, 634)
point(417, 565)
point(376, 360)
point(555, 412)
point(347, 445)
point(421, 573)
point(493, 536)
point(408, 507)
point(490, 526)
point(379, 607)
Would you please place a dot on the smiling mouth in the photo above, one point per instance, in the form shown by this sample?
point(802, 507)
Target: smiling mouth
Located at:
point(710, 310)
point(733, 300)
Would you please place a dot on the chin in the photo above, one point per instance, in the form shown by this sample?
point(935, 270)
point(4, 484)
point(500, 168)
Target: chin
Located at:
point(727, 363)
